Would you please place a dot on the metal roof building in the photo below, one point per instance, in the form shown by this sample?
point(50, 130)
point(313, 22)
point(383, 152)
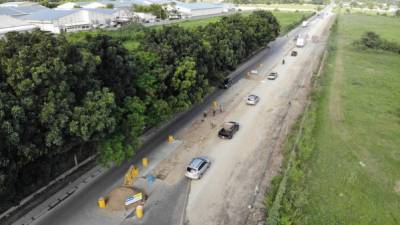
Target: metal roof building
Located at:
point(198, 9)
point(8, 24)
point(58, 21)
point(20, 11)
point(18, 4)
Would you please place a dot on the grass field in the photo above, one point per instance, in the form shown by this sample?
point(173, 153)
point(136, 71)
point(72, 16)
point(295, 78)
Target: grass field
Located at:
point(308, 7)
point(352, 175)
point(284, 18)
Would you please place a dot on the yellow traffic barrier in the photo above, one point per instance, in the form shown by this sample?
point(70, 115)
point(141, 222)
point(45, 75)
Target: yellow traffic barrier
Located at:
point(129, 176)
point(101, 202)
point(135, 171)
point(145, 162)
point(139, 211)
point(170, 139)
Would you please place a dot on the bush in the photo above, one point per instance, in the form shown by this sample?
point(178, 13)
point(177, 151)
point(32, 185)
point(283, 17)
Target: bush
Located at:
point(371, 40)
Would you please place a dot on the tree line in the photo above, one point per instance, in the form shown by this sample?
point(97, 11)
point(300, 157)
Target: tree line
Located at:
point(60, 98)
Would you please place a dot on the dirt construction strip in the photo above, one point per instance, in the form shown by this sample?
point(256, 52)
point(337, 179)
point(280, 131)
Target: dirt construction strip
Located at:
point(232, 190)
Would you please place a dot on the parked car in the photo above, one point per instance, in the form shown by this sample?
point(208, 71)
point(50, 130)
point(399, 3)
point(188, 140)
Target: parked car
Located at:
point(272, 76)
point(254, 72)
point(227, 83)
point(294, 53)
point(197, 167)
point(228, 130)
point(252, 100)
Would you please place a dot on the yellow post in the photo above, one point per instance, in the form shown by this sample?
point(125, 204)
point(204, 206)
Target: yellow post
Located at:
point(101, 202)
point(170, 139)
point(145, 162)
point(139, 211)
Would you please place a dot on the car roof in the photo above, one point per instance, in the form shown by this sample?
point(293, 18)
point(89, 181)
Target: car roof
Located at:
point(196, 162)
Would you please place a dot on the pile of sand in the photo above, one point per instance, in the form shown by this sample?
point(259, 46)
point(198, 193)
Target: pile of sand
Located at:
point(116, 198)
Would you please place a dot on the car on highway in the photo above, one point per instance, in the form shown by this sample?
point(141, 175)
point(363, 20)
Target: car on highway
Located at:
point(227, 83)
point(228, 130)
point(272, 76)
point(294, 53)
point(197, 167)
point(252, 100)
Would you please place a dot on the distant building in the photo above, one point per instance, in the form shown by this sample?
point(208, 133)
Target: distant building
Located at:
point(18, 4)
point(16, 11)
point(197, 9)
point(144, 17)
point(58, 21)
point(8, 24)
point(106, 3)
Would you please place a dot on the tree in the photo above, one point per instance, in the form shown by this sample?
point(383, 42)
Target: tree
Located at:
point(115, 67)
point(94, 119)
point(157, 10)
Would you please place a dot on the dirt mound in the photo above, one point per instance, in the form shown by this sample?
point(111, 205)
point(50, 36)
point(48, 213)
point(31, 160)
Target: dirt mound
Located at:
point(397, 187)
point(116, 198)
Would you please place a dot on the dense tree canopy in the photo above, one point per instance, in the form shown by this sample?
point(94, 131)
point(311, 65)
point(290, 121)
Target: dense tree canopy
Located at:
point(59, 98)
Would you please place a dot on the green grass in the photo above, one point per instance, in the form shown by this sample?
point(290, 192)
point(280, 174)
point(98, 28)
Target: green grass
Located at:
point(284, 18)
point(351, 174)
point(308, 7)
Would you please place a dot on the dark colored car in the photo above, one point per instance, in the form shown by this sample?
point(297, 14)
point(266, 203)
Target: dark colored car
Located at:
point(228, 130)
point(227, 83)
point(294, 53)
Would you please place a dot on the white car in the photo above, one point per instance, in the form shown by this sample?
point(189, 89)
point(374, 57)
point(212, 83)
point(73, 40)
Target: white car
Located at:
point(197, 167)
point(254, 72)
point(252, 100)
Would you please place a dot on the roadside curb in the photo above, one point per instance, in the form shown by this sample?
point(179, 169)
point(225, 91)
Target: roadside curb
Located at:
point(183, 216)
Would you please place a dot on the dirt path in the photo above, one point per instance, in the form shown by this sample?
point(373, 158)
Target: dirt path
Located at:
point(243, 167)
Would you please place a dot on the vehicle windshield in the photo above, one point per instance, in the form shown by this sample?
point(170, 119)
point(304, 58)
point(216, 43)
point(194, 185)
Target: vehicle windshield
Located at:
point(191, 170)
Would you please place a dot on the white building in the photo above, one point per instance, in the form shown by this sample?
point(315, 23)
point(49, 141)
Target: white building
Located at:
point(16, 11)
point(58, 21)
point(106, 3)
point(198, 9)
point(144, 17)
point(18, 4)
point(8, 24)
point(86, 5)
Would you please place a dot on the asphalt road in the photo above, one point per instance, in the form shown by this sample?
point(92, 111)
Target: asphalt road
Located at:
point(76, 204)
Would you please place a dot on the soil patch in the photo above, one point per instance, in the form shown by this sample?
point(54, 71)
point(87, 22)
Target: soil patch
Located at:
point(116, 198)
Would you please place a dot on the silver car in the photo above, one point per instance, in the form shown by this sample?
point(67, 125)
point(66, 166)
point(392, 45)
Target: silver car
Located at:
point(197, 167)
point(252, 100)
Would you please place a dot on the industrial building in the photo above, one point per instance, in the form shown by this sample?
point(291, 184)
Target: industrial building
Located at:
point(58, 21)
point(198, 9)
point(8, 24)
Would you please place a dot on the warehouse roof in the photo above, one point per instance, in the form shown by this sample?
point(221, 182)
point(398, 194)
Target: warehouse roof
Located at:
point(19, 11)
point(18, 4)
point(103, 11)
point(198, 5)
point(48, 15)
point(8, 21)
